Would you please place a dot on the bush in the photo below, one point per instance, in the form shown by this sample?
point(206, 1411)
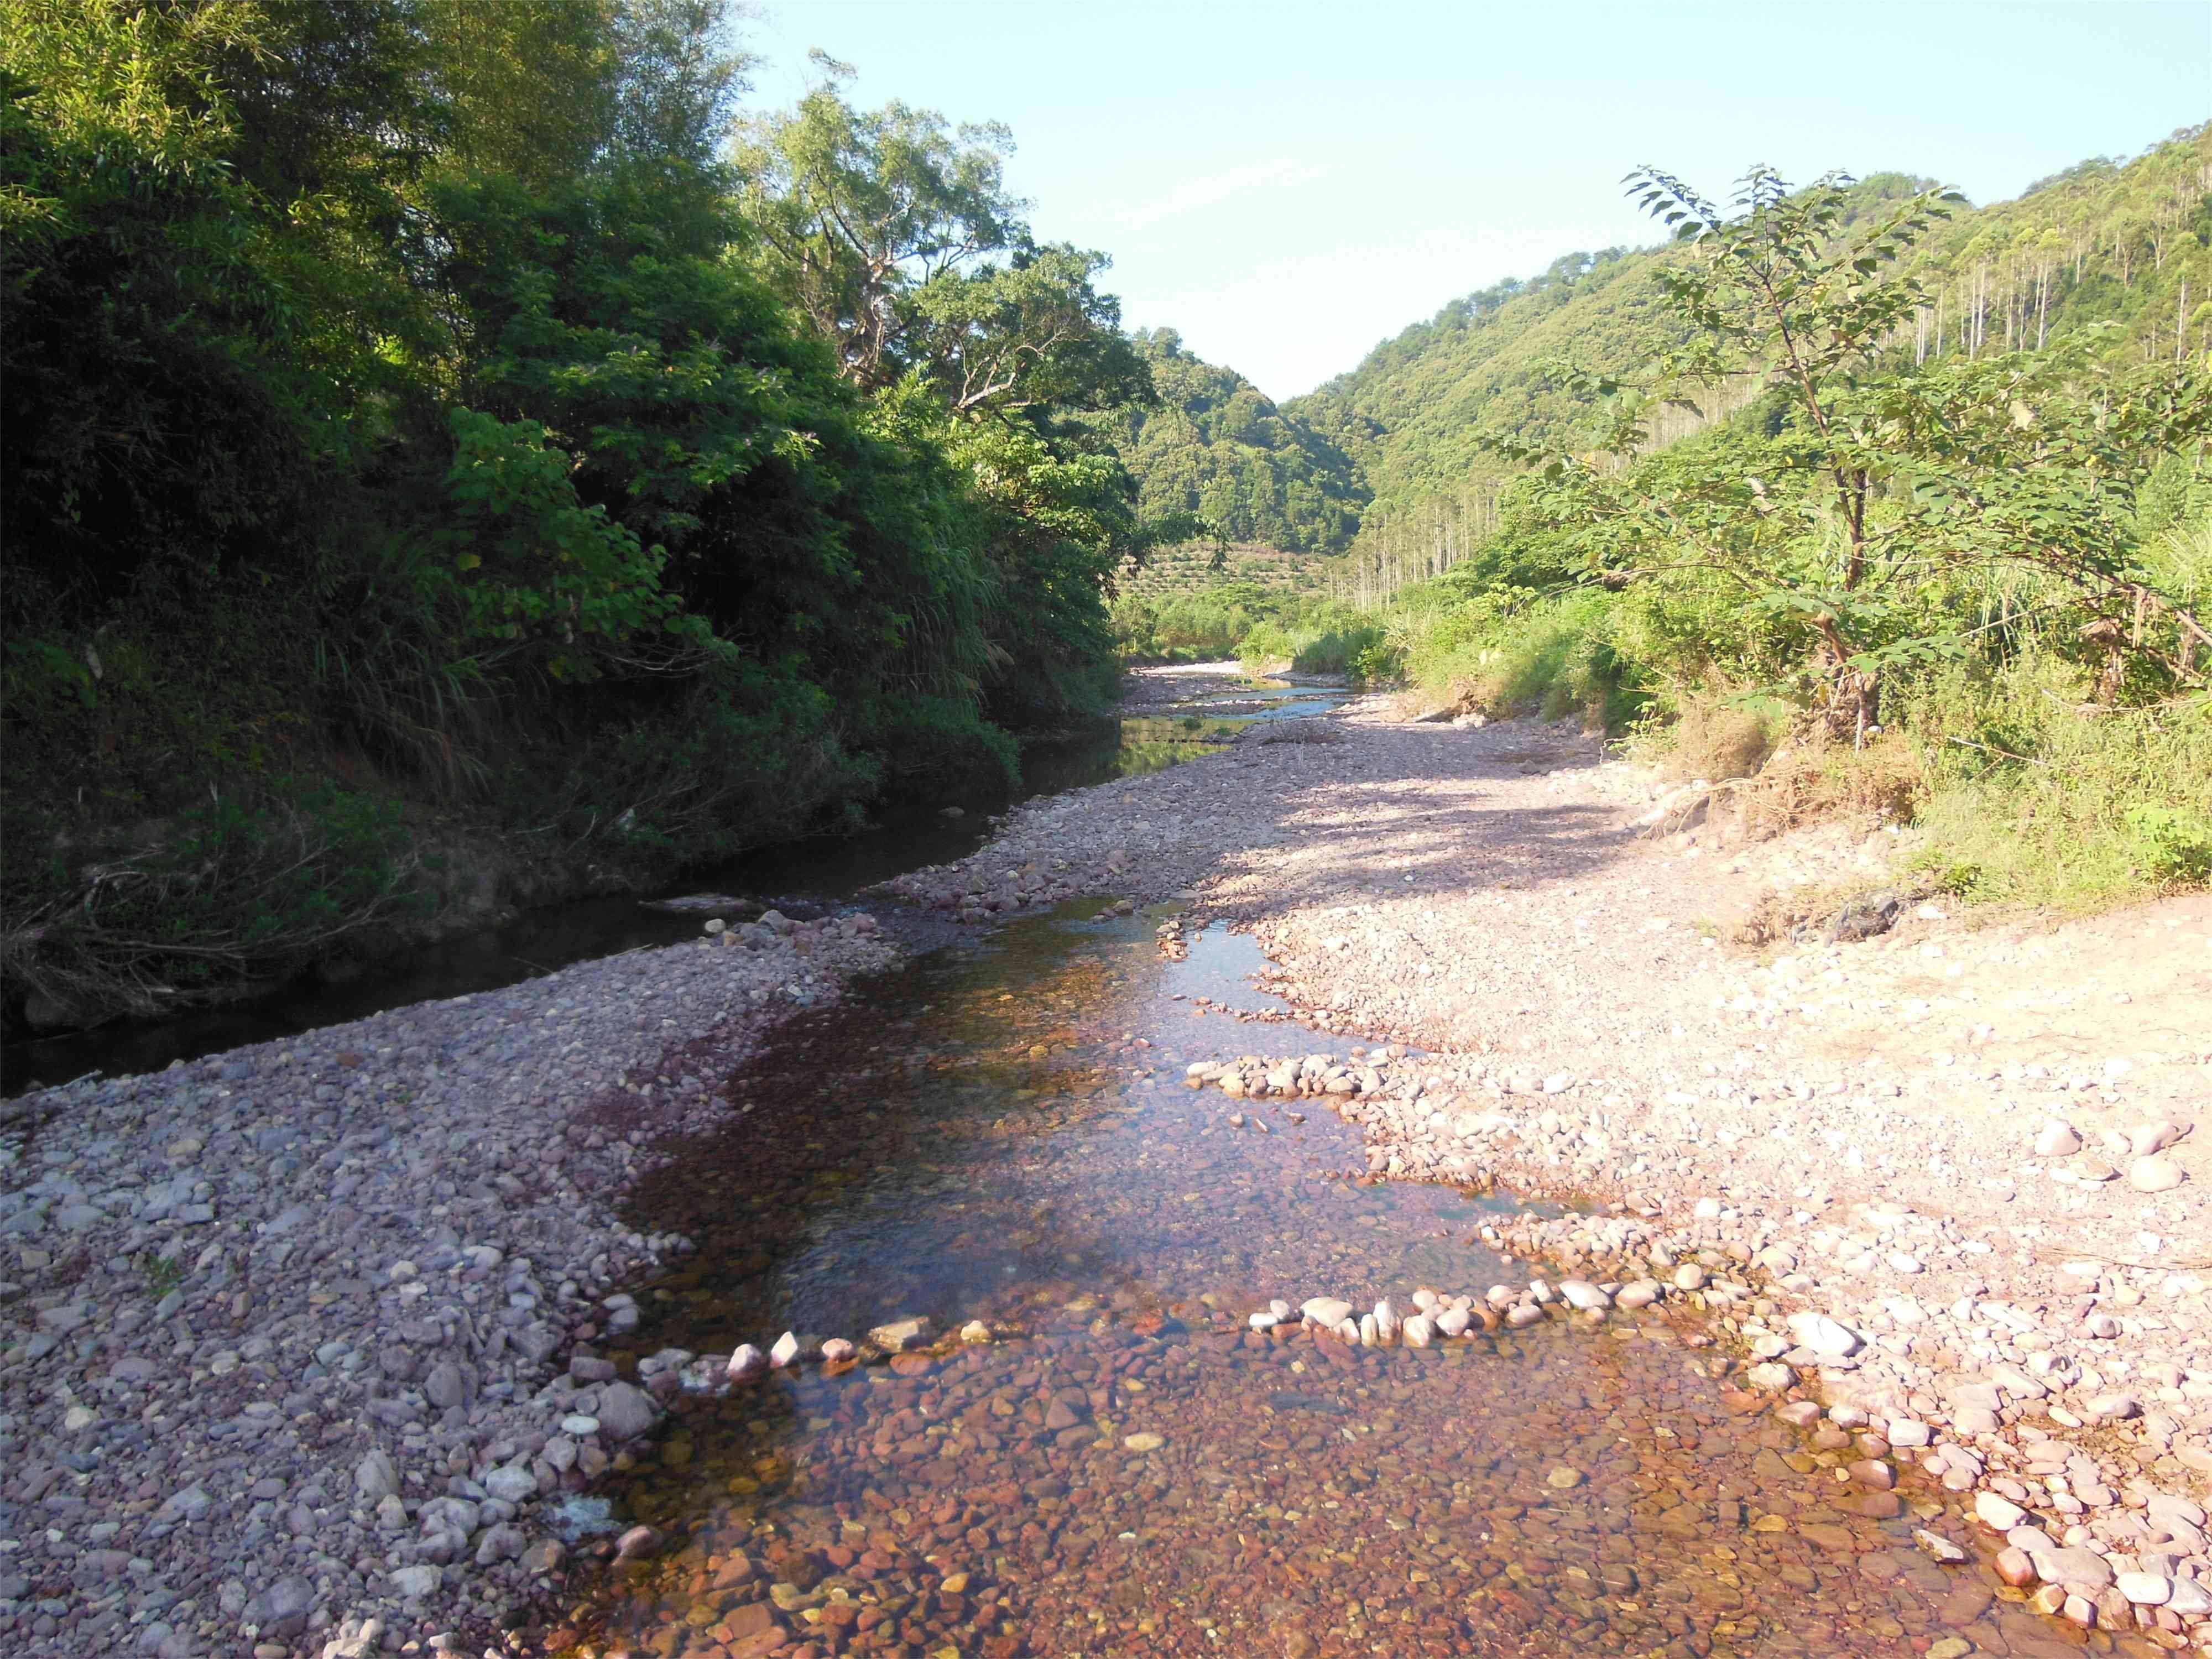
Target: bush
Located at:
point(241, 886)
point(1336, 650)
point(1269, 645)
point(1549, 658)
point(943, 745)
point(752, 758)
point(2038, 795)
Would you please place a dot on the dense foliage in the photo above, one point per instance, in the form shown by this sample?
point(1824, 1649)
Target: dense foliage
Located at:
point(1215, 446)
point(1966, 585)
point(410, 407)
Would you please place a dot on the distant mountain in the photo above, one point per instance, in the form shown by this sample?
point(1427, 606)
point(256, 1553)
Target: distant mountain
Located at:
point(1215, 444)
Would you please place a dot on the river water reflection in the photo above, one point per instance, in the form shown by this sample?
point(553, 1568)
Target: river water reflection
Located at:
point(1001, 1133)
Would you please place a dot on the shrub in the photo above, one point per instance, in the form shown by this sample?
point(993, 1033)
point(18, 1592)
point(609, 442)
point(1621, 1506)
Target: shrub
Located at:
point(240, 887)
point(2039, 795)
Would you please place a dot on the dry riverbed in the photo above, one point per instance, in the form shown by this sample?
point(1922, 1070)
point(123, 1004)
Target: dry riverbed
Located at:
point(303, 1354)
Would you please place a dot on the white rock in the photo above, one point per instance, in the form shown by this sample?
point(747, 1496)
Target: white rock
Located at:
point(746, 1362)
point(376, 1477)
point(1997, 1514)
point(2190, 1598)
point(2155, 1175)
point(1824, 1335)
point(1263, 1321)
point(416, 1583)
point(836, 1351)
point(1582, 1295)
point(1326, 1310)
point(1453, 1321)
point(1420, 1331)
point(1387, 1322)
point(1939, 1548)
point(785, 1351)
point(2057, 1140)
point(2145, 1589)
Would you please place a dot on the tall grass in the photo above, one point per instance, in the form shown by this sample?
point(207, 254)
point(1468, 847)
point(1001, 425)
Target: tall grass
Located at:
point(2037, 795)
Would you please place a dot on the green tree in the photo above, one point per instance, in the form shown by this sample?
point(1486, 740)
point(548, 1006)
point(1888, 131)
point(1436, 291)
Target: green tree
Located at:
point(1871, 488)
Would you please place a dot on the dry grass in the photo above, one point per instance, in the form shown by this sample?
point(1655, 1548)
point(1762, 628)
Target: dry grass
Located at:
point(1717, 741)
point(1815, 778)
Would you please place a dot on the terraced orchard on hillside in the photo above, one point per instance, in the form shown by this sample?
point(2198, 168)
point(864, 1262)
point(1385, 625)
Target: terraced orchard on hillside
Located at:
point(1188, 569)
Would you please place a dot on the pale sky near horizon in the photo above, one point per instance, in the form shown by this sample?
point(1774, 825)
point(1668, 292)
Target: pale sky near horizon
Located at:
point(1287, 185)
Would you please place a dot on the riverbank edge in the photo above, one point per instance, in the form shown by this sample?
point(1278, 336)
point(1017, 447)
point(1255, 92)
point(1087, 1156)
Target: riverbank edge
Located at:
point(411, 1380)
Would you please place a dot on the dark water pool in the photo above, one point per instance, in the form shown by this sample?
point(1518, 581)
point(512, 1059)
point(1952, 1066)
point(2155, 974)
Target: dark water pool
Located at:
point(825, 869)
point(1000, 1132)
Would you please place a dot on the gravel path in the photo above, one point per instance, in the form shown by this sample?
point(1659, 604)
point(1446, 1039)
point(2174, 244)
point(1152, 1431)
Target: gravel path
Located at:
point(1948, 1178)
point(281, 1326)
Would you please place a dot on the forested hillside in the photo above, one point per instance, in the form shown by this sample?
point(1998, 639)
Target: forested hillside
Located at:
point(2108, 242)
point(1214, 446)
point(424, 417)
point(1852, 499)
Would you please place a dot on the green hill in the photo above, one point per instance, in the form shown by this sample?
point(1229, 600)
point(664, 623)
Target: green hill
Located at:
point(1215, 445)
point(2127, 243)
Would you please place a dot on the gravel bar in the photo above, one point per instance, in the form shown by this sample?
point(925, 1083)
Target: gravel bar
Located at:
point(278, 1373)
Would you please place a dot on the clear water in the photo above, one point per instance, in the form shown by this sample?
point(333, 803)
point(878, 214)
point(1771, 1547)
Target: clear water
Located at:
point(1001, 1133)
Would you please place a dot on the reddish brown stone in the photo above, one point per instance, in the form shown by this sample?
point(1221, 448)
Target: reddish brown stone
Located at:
point(743, 1623)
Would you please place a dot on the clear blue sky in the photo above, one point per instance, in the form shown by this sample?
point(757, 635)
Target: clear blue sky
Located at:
point(1286, 184)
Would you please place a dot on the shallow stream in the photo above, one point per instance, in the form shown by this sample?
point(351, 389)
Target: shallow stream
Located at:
point(1000, 1132)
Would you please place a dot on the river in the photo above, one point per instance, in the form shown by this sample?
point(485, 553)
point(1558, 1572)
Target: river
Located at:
point(1001, 1132)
